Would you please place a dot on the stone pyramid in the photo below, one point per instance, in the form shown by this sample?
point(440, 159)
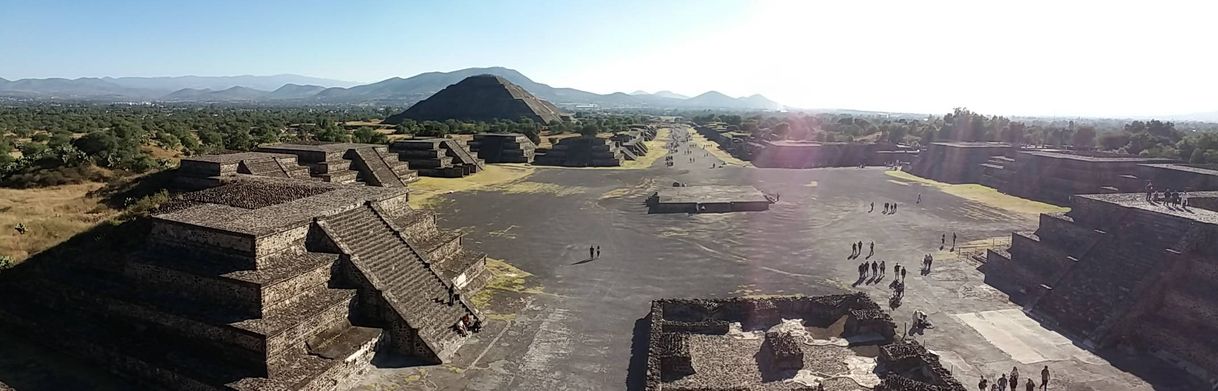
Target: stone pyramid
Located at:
point(480, 98)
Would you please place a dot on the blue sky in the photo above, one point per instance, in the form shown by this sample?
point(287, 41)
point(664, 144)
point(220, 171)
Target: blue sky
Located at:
point(1034, 57)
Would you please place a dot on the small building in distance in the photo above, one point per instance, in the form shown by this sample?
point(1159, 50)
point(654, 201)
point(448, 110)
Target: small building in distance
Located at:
point(438, 157)
point(503, 147)
point(583, 151)
point(371, 164)
point(708, 199)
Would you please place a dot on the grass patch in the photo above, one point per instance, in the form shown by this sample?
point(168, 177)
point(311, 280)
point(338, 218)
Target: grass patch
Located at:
point(424, 191)
point(713, 148)
point(981, 194)
point(655, 149)
point(50, 215)
point(524, 187)
point(505, 278)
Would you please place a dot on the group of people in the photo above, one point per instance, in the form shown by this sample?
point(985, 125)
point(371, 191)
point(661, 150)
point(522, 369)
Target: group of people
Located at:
point(876, 270)
point(1168, 196)
point(594, 252)
point(943, 242)
point(856, 249)
point(889, 207)
point(1013, 380)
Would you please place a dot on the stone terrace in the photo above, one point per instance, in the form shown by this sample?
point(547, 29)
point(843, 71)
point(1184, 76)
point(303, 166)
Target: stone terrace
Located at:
point(1118, 270)
point(261, 283)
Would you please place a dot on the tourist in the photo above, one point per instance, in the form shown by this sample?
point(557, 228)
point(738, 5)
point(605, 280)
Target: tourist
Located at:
point(598, 251)
point(919, 201)
point(872, 208)
point(953, 240)
point(883, 269)
point(1150, 191)
point(1014, 377)
point(1002, 383)
point(896, 270)
point(894, 208)
point(874, 271)
point(591, 252)
point(942, 241)
point(1044, 378)
point(854, 250)
point(982, 384)
point(1029, 386)
point(1184, 200)
point(902, 275)
point(860, 247)
point(872, 250)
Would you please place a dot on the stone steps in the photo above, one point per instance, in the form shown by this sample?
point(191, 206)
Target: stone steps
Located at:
point(402, 274)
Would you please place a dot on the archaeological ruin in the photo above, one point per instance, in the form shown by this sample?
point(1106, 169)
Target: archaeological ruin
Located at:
point(583, 151)
point(812, 154)
point(438, 157)
point(958, 162)
point(503, 147)
point(708, 199)
point(481, 98)
point(1053, 176)
point(274, 276)
point(784, 343)
point(1118, 270)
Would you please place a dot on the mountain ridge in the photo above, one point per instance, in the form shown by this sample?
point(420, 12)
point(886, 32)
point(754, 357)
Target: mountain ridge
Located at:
point(391, 91)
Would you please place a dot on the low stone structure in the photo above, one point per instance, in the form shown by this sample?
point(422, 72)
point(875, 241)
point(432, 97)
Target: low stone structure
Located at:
point(708, 199)
point(372, 164)
point(503, 147)
point(438, 157)
point(1118, 270)
point(781, 343)
point(1054, 176)
point(957, 162)
point(257, 283)
point(812, 154)
point(1179, 177)
point(583, 151)
point(633, 143)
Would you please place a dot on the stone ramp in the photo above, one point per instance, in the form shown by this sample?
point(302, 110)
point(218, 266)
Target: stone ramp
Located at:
point(377, 168)
point(406, 280)
point(462, 155)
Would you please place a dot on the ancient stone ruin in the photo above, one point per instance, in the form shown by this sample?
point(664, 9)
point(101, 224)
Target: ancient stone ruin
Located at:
point(582, 151)
point(481, 98)
point(633, 143)
point(783, 343)
point(812, 154)
point(708, 199)
point(1054, 176)
point(258, 282)
point(1119, 270)
point(438, 157)
point(957, 162)
point(337, 163)
point(503, 147)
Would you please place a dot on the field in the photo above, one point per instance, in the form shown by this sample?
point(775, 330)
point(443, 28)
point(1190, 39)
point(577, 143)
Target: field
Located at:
point(49, 215)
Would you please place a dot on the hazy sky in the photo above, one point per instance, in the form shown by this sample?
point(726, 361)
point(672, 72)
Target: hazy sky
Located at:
point(1014, 57)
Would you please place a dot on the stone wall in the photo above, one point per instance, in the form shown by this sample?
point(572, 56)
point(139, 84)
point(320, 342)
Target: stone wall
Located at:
point(957, 162)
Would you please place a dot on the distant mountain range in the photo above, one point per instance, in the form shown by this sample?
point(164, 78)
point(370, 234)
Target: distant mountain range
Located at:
point(295, 89)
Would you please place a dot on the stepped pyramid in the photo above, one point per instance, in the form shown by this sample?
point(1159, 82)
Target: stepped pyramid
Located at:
point(265, 280)
point(481, 98)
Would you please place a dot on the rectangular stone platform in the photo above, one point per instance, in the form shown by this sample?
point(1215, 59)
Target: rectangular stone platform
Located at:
point(709, 199)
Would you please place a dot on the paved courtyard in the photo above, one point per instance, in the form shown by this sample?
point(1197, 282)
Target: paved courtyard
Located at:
point(581, 332)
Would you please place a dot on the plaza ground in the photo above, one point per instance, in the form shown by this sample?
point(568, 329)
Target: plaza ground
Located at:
point(576, 326)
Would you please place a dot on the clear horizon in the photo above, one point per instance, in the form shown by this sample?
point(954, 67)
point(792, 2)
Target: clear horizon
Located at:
point(1092, 59)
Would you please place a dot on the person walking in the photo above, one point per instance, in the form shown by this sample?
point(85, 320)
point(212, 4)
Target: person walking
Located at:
point(919, 201)
point(591, 252)
point(942, 241)
point(953, 240)
point(982, 384)
point(1029, 385)
point(872, 208)
point(903, 274)
point(872, 250)
point(874, 272)
point(598, 251)
point(1014, 377)
point(883, 269)
point(854, 250)
point(1044, 378)
point(1002, 383)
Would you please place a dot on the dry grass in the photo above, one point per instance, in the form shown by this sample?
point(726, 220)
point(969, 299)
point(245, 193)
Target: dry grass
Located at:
point(425, 190)
point(715, 151)
point(50, 216)
point(984, 195)
point(506, 280)
point(655, 149)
